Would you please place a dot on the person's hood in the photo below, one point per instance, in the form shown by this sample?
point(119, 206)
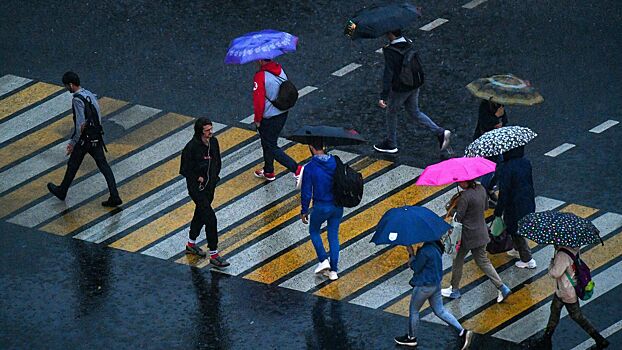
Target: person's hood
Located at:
point(327, 163)
point(272, 67)
point(517, 152)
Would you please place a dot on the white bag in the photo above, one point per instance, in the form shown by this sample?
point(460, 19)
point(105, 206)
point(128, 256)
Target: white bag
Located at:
point(451, 240)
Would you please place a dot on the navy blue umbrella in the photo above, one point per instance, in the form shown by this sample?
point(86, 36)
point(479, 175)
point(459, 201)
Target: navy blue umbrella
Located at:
point(376, 20)
point(330, 135)
point(409, 225)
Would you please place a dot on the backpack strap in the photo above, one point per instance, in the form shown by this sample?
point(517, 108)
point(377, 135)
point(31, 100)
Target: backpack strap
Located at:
point(87, 100)
point(281, 80)
point(574, 259)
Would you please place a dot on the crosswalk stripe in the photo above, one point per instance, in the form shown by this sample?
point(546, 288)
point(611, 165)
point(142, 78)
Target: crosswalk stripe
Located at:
point(611, 330)
point(133, 116)
point(398, 285)
point(178, 219)
point(528, 295)
point(34, 142)
point(26, 97)
point(10, 82)
point(35, 116)
point(304, 253)
point(579, 210)
point(34, 190)
point(137, 187)
point(292, 234)
point(606, 280)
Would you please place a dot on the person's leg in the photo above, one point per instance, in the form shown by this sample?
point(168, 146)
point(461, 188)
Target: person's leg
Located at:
point(412, 107)
point(574, 310)
point(211, 228)
point(456, 269)
point(556, 309)
point(276, 124)
point(266, 135)
point(418, 297)
point(319, 214)
point(75, 160)
point(100, 160)
point(333, 236)
point(394, 104)
point(436, 303)
point(521, 245)
point(481, 259)
point(197, 222)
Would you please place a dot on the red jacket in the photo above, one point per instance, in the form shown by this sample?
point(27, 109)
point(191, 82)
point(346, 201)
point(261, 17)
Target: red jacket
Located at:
point(259, 88)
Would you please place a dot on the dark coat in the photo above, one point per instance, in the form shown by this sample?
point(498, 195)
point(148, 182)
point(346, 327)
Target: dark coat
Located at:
point(487, 119)
point(392, 68)
point(201, 160)
point(516, 193)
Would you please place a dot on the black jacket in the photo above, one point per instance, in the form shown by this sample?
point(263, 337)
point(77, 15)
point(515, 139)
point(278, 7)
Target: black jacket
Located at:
point(201, 160)
point(487, 119)
point(392, 68)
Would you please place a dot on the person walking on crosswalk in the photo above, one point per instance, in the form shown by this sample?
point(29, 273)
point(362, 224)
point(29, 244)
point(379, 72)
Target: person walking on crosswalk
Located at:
point(200, 165)
point(87, 137)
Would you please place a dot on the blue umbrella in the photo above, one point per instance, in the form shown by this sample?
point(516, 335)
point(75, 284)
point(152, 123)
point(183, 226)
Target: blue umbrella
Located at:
point(265, 44)
point(409, 225)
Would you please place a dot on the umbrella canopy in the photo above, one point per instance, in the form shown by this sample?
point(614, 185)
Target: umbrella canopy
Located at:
point(565, 229)
point(499, 141)
point(455, 170)
point(330, 135)
point(505, 89)
point(377, 20)
point(409, 225)
point(265, 44)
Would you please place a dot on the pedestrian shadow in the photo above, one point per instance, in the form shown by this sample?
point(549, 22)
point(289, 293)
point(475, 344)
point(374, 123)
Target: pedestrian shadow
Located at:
point(210, 319)
point(92, 274)
point(329, 329)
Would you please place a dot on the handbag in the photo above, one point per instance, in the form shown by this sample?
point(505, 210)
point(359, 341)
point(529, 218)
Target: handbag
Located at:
point(497, 227)
point(452, 239)
point(500, 243)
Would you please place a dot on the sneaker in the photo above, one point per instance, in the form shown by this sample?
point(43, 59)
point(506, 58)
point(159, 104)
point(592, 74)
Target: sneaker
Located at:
point(323, 266)
point(513, 253)
point(450, 293)
point(195, 250)
point(332, 275)
point(531, 264)
point(504, 291)
point(385, 147)
point(112, 202)
point(444, 139)
point(55, 190)
point(601, 343)
point(298, 176)
point(406, 340)
point(267, 176)
point(465, 339)
point(219, 261)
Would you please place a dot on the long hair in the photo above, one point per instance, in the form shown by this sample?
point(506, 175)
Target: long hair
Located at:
point(199, 124)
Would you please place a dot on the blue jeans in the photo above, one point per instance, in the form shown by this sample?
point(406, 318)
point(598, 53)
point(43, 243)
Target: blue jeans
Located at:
point(269, 131)
point(320, 214)
point(433, 295)
point(410, 100)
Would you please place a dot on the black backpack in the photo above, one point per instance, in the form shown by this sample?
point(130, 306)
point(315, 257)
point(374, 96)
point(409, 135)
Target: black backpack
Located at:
point(347, 185)
point(287, 96)
point(93, 133)
point(411, 74)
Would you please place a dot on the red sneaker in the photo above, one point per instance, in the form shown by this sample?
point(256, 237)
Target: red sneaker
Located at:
point(262, 175)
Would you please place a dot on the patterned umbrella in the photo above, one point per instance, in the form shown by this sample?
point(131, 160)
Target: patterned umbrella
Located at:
point(505, 89)
point(499, 141)
point(266, 44)
point(565, 229)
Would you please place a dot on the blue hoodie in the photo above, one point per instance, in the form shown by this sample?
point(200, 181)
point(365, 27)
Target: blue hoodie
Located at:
point(317, 182)
point(427, 266)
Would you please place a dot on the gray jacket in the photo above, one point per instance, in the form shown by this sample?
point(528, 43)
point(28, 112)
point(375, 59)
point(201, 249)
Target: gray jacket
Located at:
point(78, 110)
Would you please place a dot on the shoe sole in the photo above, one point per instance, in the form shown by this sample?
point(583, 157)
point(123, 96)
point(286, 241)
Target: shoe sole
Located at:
point(193, 253)
point(405, 344)
point(446, 141)
point(263, 177)
point(390, 151)
point(322, 270)
point(467, 342)
point(526, 267)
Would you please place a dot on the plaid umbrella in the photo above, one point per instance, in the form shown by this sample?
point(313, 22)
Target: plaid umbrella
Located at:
point(565, 229)
point(505, 89)
point(499, 141)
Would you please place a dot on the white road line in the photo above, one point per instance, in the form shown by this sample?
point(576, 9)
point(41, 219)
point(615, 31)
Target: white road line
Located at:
point(35, 116)
point(302, 92)
point(604, 126)
point(611, 330)
point(345, 70)
point(248, 119)
point(435, 23)
point(473, 4)
point(10, 82)
point(559, 150)
point(133, 116)
point(253, 202)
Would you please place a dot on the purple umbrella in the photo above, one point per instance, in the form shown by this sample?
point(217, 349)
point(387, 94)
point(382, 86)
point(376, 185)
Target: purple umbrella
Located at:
point(265, 44)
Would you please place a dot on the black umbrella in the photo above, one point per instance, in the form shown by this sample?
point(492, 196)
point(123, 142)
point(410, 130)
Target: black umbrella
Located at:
point(330, 135)
point(377, 20)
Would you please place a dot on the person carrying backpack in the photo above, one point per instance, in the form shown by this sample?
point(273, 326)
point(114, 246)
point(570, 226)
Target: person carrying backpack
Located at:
point(317, 185)
point(403, 90)
point(87, 137)
point(563, 269)
point(271, 109)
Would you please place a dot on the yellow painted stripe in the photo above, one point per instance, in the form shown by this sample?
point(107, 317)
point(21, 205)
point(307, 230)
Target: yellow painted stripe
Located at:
point(26, 97)
point(37, 188)
point(137, 187)
point(471, 272)
point(271, 218)
point(49, 134)
point(181, 216)
point(349, 229)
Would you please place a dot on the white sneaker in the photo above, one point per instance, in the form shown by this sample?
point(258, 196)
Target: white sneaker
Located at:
point(446, 140)
point(531, 264)
point(323, 266)
point(513, 253)
point(450, 293)
point(298, 176)
point(332, 275)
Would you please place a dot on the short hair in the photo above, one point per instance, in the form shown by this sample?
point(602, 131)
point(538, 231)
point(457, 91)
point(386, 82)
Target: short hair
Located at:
point(199, 124)
point(317, 143)
point(71, 78)
point(397, 32)
point(471, 184)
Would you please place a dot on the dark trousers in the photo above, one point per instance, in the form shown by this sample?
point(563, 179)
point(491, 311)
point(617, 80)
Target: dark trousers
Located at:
point(522, 247)
point(75, 160)
point(269, 131)
point(575, 314)
point(204, 215)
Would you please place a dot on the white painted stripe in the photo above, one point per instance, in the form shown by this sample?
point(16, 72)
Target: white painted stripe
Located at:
point(345, 70)
point(297, 231)
point(559, 150)
point(611, 330)
point(94, 185)
point(379, 50)
point(513, 277)
point(398, 284)
point(435, 23)
point(248, 119)
point(133, 116)
point(164, 198)
point(55, 155)
point(535, 321)
point(10, 82)
point(604, 126)
point(306, 90)
point(473, 4)
point(249, 204)
point(35, 116)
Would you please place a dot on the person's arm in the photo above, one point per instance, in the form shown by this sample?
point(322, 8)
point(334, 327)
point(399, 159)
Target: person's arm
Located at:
point(259, 96)
point(560, 264)
point(461, 208)
point(419, 262)
point(189, 168)
point(387, 75)
point(78, 107)
point(306, 192)
point(217, 157)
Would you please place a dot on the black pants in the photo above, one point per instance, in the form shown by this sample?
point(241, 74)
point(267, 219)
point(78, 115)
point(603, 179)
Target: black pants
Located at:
point(75, 160)
point(269, 131)
point(204, 215)
point(575, 314)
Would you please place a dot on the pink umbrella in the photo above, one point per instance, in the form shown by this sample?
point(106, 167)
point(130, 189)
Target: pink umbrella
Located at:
point(455, 170)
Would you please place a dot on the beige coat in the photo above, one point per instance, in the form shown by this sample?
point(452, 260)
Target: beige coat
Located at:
point(560, 264)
